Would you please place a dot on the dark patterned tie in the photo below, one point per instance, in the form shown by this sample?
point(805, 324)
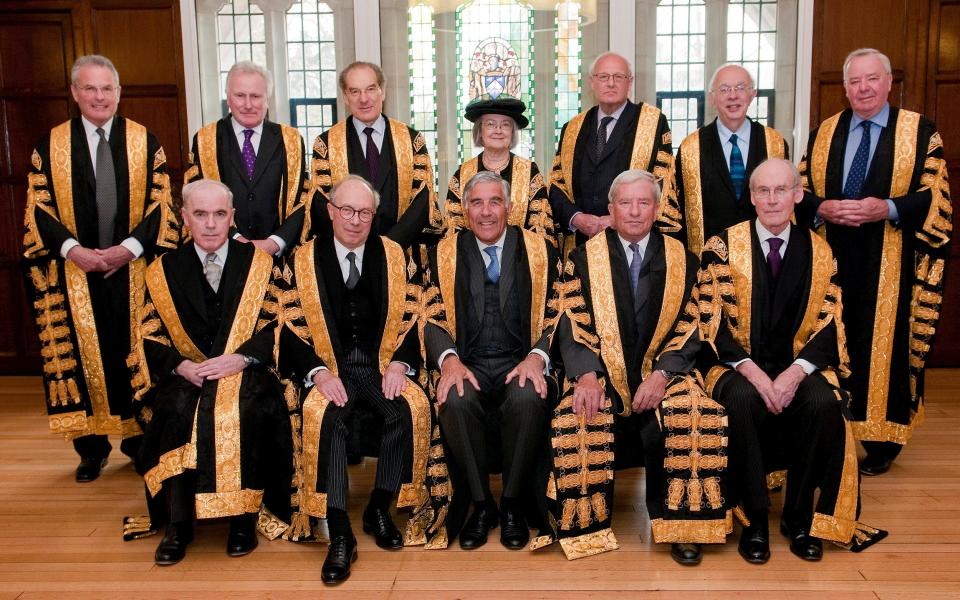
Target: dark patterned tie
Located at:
point(773, 257)
point(249, 156)
point(635, 261)
point(106, 192)
point(353, 276)
point(858, 168)
point(212, 271)
point(372, 155)
point(493, 269)
point(602, 136)
point(738, 174)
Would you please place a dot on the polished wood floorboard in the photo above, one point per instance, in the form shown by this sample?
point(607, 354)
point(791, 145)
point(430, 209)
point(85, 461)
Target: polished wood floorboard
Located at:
point(60, 539)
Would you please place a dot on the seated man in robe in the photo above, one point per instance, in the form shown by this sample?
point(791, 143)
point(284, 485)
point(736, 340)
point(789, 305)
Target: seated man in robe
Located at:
point(216, 432)
point(347, 335)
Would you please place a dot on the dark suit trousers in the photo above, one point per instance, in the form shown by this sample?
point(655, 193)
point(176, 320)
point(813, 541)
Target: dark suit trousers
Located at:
point(363, 384)
point(807, 439)
point(524, 418)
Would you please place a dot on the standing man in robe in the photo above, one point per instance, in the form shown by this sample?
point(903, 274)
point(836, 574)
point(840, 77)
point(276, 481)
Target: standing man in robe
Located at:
point(875, 175)
point(98, 207)
point(262, 163)
point(387, 153)
point(714, 163)
point(597, 145)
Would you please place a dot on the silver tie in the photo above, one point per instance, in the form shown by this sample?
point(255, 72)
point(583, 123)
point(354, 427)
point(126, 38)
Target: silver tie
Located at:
point(212, 270)
point(106, 192)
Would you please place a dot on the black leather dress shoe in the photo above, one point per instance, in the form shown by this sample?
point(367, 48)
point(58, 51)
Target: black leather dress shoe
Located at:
point(514, 533)
point(686, 554)
point(341, 553)
point(803, 544)
point(474, 532)
point(873, 464)
point(754, 544)
point(173, 546)
point(378, 523)
point(242, 538)
point(89, 469)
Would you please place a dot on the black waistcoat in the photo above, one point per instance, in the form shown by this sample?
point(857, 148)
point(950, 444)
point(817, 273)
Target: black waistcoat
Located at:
point(497, 335)
point(357, 319)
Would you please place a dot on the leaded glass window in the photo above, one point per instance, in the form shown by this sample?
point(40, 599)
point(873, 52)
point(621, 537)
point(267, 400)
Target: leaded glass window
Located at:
point(423, 69)
point(681, 45)
point(240, 36)
point(752, 42)
point(494, 56)
point(567, 78)
point(311, 67)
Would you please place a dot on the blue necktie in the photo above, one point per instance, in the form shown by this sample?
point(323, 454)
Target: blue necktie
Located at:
point(858, 168)
point(493, 269)
point(738, 173)
point(635, 267)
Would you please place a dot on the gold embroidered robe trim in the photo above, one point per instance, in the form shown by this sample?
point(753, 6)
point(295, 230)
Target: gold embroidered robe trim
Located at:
point(305, 272)
point(156, 282)
point(841, 525)
point(741, 271)
point(605, 319)
point(672, 301)
point(312, 502)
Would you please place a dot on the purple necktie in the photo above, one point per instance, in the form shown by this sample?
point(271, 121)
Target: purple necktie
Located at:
point(373, 155)
point(773, 257)
point(249, 156)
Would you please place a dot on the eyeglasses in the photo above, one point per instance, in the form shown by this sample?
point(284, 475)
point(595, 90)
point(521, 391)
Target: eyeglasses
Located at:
point(347, 212)
point(617, 78)
point(496, 125)
point(726, 90)
point(92, 90)
point(780, 192)
point(369, 90)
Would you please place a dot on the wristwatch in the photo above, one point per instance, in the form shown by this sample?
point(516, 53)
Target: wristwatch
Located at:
point(666, 374)
point(248, 359)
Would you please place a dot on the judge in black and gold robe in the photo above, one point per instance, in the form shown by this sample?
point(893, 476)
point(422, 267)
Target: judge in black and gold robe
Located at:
point(348, 337)
point(490, 317)
point(629, 295)
point(496, 128)
point(260, 161)
point(634, 136)
point(391, 155)
point(712, 175)
point(217, 435)
point(85, 259)
point(885, 200)
point(772, 311)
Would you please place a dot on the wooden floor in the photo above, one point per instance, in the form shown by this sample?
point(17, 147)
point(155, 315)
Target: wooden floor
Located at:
point(60, 539)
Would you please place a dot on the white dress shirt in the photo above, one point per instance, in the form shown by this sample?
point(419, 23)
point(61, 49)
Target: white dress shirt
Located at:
point(743, 141)
point(379, 127)
point(93, 140)
point(238, 130)
point(629, 252)
point(221, 253)
point(610, 126)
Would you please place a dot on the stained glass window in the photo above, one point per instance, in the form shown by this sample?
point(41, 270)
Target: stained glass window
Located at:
point(495, 56)
point(567, 78)
point(311, 67)
point(240, 36)
point(681, 44)
point(752, 42)
point(423, 69)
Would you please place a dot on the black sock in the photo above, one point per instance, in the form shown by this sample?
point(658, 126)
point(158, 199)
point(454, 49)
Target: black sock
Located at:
point(381, 498)
point(338, 523)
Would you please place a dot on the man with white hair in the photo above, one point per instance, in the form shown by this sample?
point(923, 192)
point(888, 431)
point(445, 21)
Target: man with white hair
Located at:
point(876, 177)
point(217, 440)
point(714, 163)
point(597, 145)
point(98, 208)
point(262, 163)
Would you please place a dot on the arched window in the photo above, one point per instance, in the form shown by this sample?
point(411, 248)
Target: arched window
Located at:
point(311, 67)
point(567, 77)
point(752, 42)
point(240, 36)
point(681, 50)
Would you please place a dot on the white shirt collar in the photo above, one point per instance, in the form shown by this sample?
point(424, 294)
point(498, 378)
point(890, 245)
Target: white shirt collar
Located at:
point(743, 132)
point(238, 129)
point(764, 234)
point(642, 244)
point(221, 253)
point(497, 244)
point(615, 114)
point(342, 252)
point(881, 118)
point(91, 129)
point(379, 126)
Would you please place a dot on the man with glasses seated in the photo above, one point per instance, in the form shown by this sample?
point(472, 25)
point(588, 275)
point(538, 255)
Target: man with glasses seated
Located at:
point(387, 153)
point(597, 145)
point(714, 163)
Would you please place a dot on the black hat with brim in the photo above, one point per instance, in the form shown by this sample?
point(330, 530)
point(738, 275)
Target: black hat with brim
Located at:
point(501, 105)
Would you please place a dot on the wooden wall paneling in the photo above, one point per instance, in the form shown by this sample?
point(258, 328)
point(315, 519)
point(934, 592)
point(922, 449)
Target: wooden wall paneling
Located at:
point(942, 91)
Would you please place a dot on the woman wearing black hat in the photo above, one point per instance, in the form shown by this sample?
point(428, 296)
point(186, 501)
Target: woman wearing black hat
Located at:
point(496, 128)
